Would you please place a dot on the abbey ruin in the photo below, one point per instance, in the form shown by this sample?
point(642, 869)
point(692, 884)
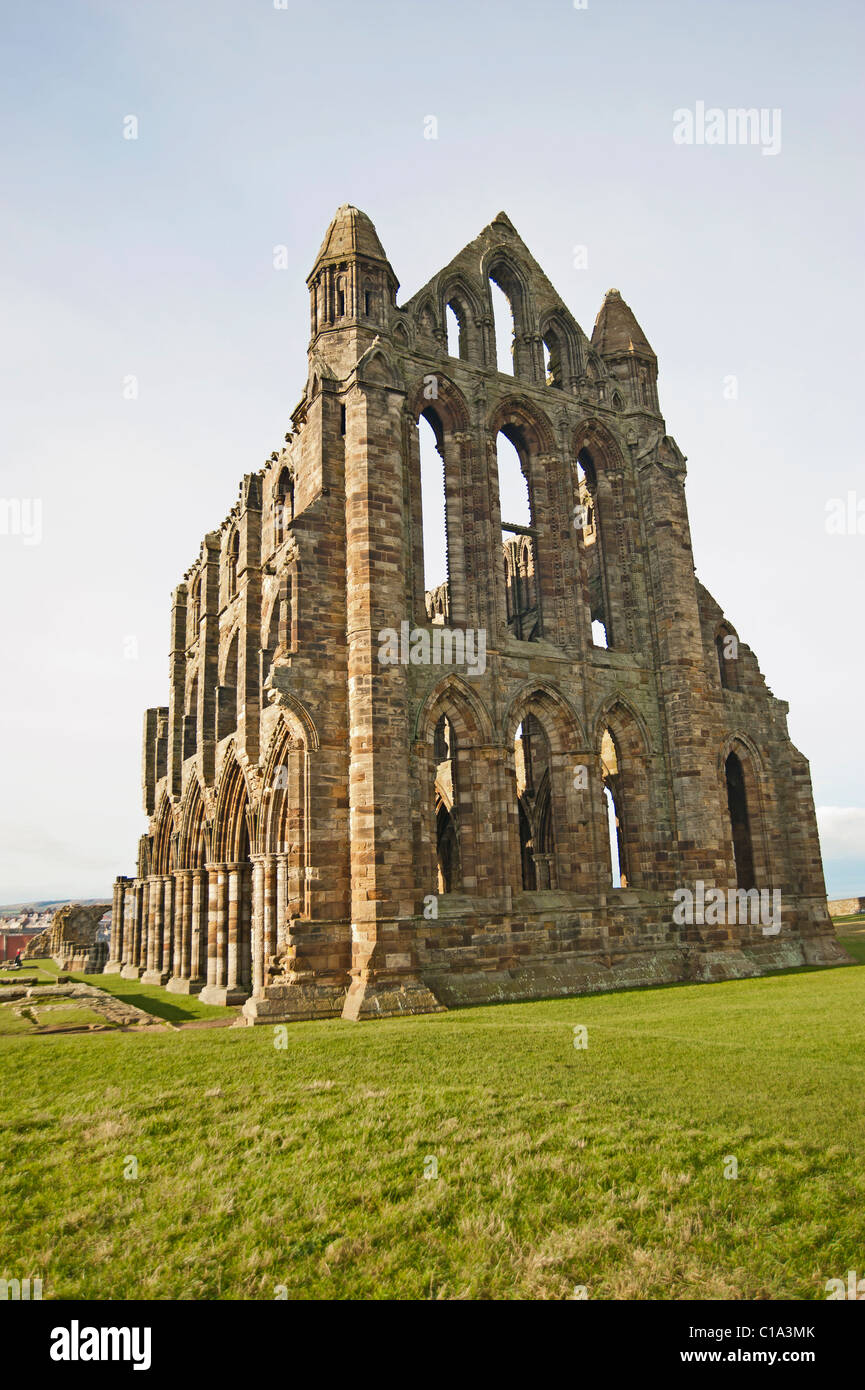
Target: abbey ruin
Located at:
point(372, 795)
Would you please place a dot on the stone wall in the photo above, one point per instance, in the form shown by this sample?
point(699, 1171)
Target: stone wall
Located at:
point(845, 907)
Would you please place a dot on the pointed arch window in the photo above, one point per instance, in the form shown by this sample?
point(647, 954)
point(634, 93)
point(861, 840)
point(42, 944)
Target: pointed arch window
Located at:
point(740, 822)
point(456, 329)
point(193, 617)
point(504, 328)
point(613, 798)
point(232, 558)
point(448, 870)
point(532, 765)
point(283, 506)
point(519, 537)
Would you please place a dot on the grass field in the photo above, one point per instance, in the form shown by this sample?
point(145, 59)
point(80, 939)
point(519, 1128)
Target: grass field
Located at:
point(304, 1166)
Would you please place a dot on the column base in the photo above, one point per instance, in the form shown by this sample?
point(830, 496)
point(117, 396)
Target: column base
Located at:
point(223, 994)
point(292, 1001)
point(385, 995)
point(154, 977)
point(178, 985)
point(112, 967)
point(131, 972)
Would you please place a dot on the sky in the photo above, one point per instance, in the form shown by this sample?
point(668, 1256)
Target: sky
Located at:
point(155, 341)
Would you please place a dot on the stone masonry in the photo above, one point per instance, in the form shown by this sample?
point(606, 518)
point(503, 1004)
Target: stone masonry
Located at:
point(351, 810)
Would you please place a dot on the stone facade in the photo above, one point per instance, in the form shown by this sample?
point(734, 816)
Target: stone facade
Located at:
point(368, 799)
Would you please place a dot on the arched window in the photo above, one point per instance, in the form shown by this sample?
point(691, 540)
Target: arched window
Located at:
point(433, 501)
point(534, 806)
point(193, 616)
point(231, 561)
point(340, 298)
point(283, 506)
point(519, 542)
point(740, 823)
point(587, 512)
point(613, 797)
point(445, 792)
point(369, 300)
point(455, 324)
point(190, 721)
point(504, 327)
point(554, 374)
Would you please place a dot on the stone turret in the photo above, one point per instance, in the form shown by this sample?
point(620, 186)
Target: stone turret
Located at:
point(352, 287)
point(618, 338)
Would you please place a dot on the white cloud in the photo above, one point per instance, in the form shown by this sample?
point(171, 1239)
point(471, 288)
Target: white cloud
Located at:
point(842, 831)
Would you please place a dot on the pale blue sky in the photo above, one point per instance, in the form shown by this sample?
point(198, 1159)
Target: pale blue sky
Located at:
point(154, 258)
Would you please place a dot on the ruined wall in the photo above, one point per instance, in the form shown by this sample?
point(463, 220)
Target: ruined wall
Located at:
point(365, 798)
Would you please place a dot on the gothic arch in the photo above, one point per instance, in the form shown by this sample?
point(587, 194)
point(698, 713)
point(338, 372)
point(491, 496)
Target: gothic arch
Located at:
point(449, 404)
point(739, 736)
point(193, 849)
point(232, 831)
point(601, 443)
point(618, 709)
point(162, 858)
point(425, 319)
point(519, 414)
point(508, 272)
point(757, 798)
point(626, 773)
point(564, 729)
point(554, 325)
point(464, 300)
point(294, 711)
point(375, 368)
point(282, 826)
point(455, 697)
point(450, 850)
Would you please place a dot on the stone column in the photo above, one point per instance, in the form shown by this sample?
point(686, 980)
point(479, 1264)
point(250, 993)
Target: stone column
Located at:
point(232, 975)
point(155, 973)
point(168, 926)
point(182, 968)
point(222, 983)
point(258, 962)
point(114, 964)
point(198, 937)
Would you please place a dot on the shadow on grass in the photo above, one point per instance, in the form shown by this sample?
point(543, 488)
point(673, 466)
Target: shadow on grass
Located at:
point(160, 1008)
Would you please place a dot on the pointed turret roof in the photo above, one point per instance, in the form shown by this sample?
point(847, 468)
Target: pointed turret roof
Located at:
point(350, 234)
point(616, 329)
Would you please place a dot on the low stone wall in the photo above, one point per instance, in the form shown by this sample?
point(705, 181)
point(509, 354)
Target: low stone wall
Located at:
point(547, 945)
point(82, 960)
point(845, 907)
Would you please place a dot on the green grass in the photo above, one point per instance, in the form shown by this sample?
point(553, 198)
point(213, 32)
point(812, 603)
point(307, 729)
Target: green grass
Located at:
point(304, 1166)
point(176, 1008)
point(855, 946)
